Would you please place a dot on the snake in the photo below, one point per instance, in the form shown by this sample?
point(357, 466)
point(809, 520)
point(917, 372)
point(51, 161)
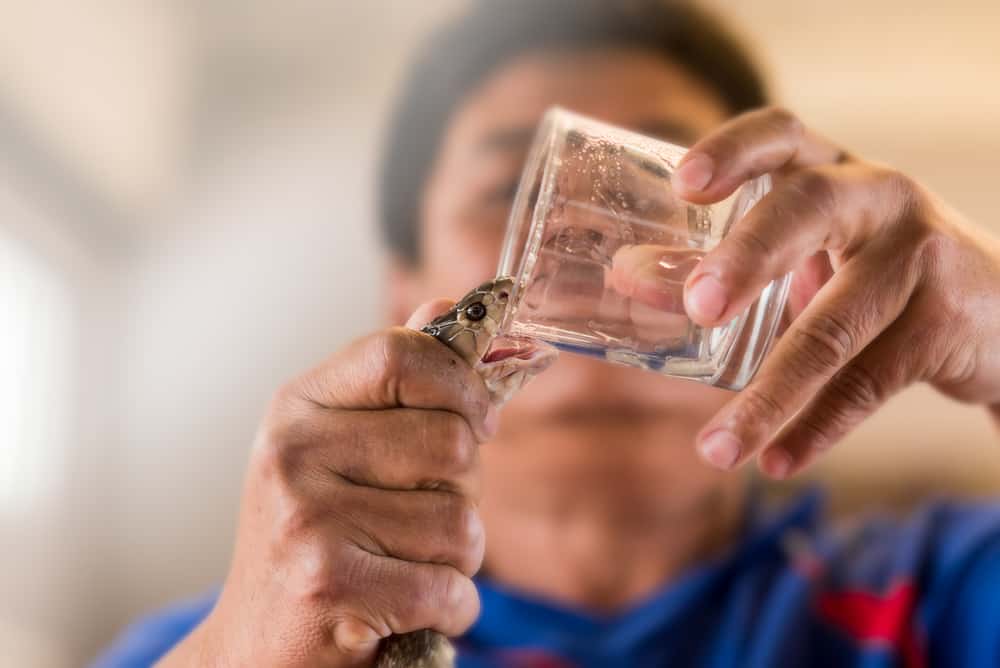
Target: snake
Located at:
point(471, 328)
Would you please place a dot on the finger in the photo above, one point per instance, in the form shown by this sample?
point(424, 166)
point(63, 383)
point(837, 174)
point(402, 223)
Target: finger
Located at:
point(424, 526)
point(837, 208)
point(858, 303)
point(395, 368)
point(854, 393)
point(427, 312)
point(653, 275)
point(401, 449)
point(746, 147)
point(356, 640)
point(392, 596)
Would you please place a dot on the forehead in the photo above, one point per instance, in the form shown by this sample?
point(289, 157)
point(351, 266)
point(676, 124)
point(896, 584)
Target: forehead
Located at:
point(633, 88)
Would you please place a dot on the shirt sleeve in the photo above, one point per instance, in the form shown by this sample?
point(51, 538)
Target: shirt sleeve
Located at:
point(963, 611)
point(147, 640)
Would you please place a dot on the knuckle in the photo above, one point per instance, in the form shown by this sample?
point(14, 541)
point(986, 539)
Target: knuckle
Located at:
point(814, 433)
point(405, 613)
point(759, 409)
point(749, 243)
point(392, 349)
point(937, 348)
point(455, 448)
point(854, 392)
point(470, 395)
point(784, 119)
point(363, 585)
point(940, 315)
point(900, 202)
point(452, 589)
point(463, 530)
point(957, 370)
point(479, 405)
point(311, 575)
point(283, 442)
point(422, 602)
point(954, 314)
point(463, 603)
point(438, 595)
point(456, 535)
point(855, 388)
point(937, 252)
point(900, 184)
point(296, 523)
point(457, 600)
point(825, 343)
point(816, 190)
point(269, 452)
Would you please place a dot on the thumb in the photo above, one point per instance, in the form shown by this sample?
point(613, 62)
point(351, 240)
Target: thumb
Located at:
point(653, 275)
point(428, 311)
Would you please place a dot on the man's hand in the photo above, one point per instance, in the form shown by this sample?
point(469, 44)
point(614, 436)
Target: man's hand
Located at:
point(359, 517)
point(891, 287)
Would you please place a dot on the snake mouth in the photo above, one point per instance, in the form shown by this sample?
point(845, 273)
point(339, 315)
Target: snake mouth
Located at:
point(505, 348)
point(510, 362)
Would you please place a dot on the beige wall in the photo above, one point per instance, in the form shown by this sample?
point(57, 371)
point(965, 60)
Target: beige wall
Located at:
point(202, 185)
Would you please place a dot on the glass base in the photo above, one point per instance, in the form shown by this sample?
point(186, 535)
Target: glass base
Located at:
point(726, 356)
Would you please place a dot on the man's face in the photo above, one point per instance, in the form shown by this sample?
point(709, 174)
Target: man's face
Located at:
point(470, 192)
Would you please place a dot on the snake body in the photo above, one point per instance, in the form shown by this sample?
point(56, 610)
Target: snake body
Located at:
point(505, 364)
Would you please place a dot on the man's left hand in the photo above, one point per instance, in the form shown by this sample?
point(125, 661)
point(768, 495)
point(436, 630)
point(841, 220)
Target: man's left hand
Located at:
point(891, 287)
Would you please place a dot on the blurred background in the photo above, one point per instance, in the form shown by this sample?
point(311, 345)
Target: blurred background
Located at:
point(186, 221)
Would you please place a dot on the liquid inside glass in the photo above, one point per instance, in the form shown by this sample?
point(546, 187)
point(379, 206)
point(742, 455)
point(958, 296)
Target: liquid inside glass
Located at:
point(600, 247)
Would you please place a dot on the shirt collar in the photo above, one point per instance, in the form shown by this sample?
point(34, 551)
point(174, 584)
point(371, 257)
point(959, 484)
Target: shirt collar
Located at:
point(512, 618)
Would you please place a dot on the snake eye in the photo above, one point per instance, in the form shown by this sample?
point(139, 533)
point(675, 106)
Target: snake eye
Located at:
point(475, 311)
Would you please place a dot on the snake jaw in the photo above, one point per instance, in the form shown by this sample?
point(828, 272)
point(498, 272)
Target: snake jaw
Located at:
point(509, 363)
point(505, 348)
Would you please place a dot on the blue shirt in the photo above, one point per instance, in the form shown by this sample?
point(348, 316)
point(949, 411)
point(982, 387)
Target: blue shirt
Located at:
point(793, 592)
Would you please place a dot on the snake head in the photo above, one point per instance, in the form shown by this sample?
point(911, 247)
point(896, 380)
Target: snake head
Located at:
point(470, 329)
point(474, 320)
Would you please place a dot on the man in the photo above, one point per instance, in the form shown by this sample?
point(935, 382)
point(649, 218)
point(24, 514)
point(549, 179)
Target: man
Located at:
point(377, 476)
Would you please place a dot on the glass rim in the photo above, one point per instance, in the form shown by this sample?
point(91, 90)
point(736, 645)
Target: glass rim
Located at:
point(539, 159)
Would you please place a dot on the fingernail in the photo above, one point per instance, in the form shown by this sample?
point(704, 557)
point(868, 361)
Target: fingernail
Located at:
point(721, 449)
point(492, 420)
point(706, 298)
point(776, 463)
point(695, 173)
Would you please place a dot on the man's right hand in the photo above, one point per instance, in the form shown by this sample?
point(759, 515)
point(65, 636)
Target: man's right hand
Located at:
point(359, 517)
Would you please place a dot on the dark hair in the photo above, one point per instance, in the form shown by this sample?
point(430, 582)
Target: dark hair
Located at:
point(460, 54)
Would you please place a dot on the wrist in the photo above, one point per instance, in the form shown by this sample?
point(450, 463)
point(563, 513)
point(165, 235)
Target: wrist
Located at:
point(201, 647)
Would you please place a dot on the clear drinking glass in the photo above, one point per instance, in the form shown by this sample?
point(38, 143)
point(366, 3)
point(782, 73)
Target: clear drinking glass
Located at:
point(599, 247)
